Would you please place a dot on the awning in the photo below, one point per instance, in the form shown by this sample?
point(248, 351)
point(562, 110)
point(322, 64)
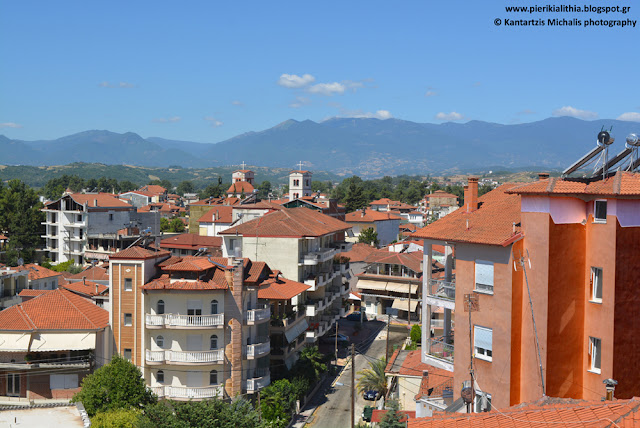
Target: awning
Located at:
point(63, 341)
point(15, 342)
point(371, 285)
point(402, 305)
point(295, 331)
point(401, 287)
point(353, 297)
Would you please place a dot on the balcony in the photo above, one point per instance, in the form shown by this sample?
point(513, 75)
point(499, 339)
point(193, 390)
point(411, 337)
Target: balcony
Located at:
point(255, 316)
point(260, 348)
point(187, 392)
point(261, 378)
point(320, 255)
point(441, 293)
point(184, 321)
point(289, 321)
point(439, 354)
point(345, 289)
point(185, 357)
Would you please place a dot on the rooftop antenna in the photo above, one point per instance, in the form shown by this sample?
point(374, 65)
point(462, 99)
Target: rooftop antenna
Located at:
point(604, 140)
point(521, 261)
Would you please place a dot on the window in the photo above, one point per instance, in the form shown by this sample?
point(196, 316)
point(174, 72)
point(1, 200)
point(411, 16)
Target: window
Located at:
point(600, 212)
point(594, 354)
point(596, 284)
point(128, 320)
point(213, 377)
point(194, 307)
point(482, 342)
point(64, 381)
point(160, 376)
point(110, 217)
point(306, 183)
point(79, 218)
point(127, 354)
point(128, 284)
point(213, 342)
point(160, 309)
point(214, 307)
point(484, 276)
point(160, 342)
point(296, 182)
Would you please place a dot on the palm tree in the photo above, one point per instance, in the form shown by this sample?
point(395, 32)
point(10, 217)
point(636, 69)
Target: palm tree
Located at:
point(373, 378)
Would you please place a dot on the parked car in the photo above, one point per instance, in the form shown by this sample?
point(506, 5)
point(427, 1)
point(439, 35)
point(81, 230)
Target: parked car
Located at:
point(370, 395)
point(331, 338)
point(355, 316)
point(367, 413)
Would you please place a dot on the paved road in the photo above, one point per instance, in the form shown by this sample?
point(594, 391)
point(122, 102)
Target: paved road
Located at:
point(335, 405)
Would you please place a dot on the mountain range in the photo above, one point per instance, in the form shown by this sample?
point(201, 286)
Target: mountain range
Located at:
point(345, 146)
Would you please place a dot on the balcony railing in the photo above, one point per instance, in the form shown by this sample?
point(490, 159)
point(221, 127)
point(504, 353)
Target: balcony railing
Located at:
point(189, 357)
point(320, 255)
point(261, 378)
point(258, 349)
point(258, 315)
point(442, 289)
point(187, 392)
point(184, 321)
point(440, 349)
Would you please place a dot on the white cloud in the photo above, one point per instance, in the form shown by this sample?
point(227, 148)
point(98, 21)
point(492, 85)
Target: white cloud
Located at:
point(295, 81)
point(213, 121)
point(10, 125)
point(300, 102)
point(172, 119)
point(359, 114)
point(430, 93)
point(631, 116)
point(449, 117)
point(328, 88)
point(116, 85)
point(237, 103)
point(574, 112)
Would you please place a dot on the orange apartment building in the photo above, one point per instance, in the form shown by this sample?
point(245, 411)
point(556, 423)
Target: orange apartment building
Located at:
point(579, 243)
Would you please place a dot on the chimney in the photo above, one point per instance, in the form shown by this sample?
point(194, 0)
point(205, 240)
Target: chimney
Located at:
point(543, 176)
point(83, 280)
point(471, 194)
point(96, 289)
point(610, 386)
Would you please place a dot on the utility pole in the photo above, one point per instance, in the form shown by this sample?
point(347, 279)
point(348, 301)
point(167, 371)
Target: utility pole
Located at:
point(471, 305)
point(353, 383)
point(386, 355)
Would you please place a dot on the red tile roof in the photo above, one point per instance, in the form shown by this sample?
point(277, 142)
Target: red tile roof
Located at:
point(32, 293)
point(191, 241)
point(102, 200)
point(37, 272)
point(55, 310)
point(189, 264)
point(411, 260)
point(86, 288)
point(220, 214)
point(94, 273)
point(491, 223)
point(164, 283)
point(138, 253)
point(369, 216)
point(240, 187)
point(210, 201)
point(260, 205)
point(377, 415)
point(153, 189)
point(359, 252)
point(293, 222)
point(384, 201)
point(279, 288)
point(621, 184)
point(546, 412)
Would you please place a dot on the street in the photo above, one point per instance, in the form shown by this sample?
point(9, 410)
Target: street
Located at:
point(334, 407)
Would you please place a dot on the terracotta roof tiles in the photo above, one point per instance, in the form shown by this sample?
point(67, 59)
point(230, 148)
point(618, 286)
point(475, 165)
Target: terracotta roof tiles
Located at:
point(279, 288)
point(138, 253)
point(241, 187)
point(191, 241)
point(359, 252)
point(220, 214)
point(622, 183)
point(369, 216)
point(87, 288)
point(94, 273)
point(37, 272)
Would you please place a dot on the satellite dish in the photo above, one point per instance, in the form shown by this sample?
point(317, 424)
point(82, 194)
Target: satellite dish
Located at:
point(632, 140)
point(604, 138)
point(20, 261)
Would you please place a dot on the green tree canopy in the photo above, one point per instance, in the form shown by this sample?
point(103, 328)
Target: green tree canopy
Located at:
point(373, 378)
point(176, 226)
point(117, 418)
point(368, 236)
point(117, 385)
point(185, 187)
point(394, 415)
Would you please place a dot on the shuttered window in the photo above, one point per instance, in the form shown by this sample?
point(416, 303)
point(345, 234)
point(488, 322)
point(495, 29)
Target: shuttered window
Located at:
point(484, 276)
point(483, 342)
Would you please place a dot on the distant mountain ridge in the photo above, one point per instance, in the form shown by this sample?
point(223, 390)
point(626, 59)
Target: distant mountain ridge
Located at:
point(345, 146)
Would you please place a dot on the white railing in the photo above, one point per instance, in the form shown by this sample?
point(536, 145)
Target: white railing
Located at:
point(158, 390)
point(175, 320)
point(155, 356)
point(257, 350)
point(440, 349)
point(442, 289)
point(255, 315)
point(188, 392)
point(195, 356)
point(257, 383)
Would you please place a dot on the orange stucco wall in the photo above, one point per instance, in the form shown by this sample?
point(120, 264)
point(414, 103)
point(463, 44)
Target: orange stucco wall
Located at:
point(516, 327)
point(626, 346)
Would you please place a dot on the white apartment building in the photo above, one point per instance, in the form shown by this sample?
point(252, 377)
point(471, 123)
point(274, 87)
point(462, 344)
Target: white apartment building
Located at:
point(194, 325)
point(81, 226)
point(301, 243)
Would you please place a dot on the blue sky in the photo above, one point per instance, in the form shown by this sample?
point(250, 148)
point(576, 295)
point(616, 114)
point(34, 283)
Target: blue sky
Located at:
point(207, 71)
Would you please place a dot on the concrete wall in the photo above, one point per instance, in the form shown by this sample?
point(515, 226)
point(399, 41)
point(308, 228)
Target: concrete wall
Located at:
point(388, 231)
point(279, 253)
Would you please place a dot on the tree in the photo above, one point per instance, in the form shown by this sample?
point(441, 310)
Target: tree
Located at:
point(392, 418)
point(373, 378)
point(164, 225)
point(264, 188)
point(207, 413)
point(355, 198)
point(278, 400)
point(310, 365)
point(369, 236)
point(176, 225)
point(416, 334)
point(185, 187)
point(117, 385)
point(20, 219)
point(117, 418)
